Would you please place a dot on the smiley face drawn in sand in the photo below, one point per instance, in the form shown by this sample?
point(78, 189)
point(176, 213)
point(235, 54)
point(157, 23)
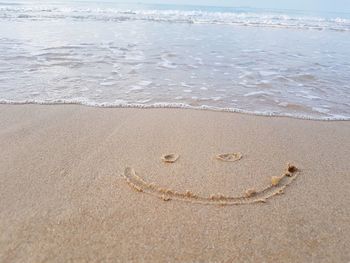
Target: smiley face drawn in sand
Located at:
point(250, 196)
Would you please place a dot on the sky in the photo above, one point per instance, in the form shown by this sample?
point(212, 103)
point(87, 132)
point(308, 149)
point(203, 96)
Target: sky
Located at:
point(309, 5)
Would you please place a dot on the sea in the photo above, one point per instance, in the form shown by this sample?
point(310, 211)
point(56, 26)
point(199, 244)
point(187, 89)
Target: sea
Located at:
point(236, 59)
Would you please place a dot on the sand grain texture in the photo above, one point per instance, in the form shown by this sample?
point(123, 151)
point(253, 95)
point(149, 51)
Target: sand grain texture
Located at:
point(62, 197)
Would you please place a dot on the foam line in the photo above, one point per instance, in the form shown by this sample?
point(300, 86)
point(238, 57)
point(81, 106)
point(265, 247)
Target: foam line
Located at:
point(172, 106)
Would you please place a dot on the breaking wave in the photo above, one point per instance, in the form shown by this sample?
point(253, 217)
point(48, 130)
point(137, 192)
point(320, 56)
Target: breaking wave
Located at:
point(239, 18)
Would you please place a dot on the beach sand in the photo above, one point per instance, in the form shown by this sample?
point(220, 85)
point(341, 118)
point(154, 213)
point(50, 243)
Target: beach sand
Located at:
point(63, 197)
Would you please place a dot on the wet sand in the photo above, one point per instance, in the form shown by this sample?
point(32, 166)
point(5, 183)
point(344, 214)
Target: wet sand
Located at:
point(64, 198)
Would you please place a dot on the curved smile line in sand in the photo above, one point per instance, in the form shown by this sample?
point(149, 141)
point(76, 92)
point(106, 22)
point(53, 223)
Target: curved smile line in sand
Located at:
point(251, 196)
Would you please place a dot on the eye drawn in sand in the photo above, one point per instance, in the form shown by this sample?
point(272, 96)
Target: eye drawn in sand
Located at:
point(250, 196)
point(229, 157)
point(170, 158)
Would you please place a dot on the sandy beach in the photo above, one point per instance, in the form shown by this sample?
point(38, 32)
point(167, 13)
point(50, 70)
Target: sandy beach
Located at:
point(63, 197)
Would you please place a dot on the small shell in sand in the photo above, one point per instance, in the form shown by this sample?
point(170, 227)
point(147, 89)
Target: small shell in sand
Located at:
point(275, 180)
point(229, 157)
point(170, 158)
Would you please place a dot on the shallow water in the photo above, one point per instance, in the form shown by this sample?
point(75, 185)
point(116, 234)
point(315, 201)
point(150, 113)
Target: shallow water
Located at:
point(256, 61)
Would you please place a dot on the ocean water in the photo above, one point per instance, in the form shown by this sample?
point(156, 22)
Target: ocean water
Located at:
point(267, 62)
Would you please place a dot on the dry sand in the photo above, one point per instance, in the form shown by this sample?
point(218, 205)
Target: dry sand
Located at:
point(62, 196)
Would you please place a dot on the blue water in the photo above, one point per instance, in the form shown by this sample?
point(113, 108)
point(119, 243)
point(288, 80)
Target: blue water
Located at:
point(258, 61)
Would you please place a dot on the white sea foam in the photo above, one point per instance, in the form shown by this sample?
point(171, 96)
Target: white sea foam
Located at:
point(125, 104)
point(136, 88)
point(145, 83)
point(267, 73)
point(107, 83)
point(254, 93)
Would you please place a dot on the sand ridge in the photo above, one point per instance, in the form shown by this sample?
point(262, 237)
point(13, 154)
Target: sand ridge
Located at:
point(250, 196)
